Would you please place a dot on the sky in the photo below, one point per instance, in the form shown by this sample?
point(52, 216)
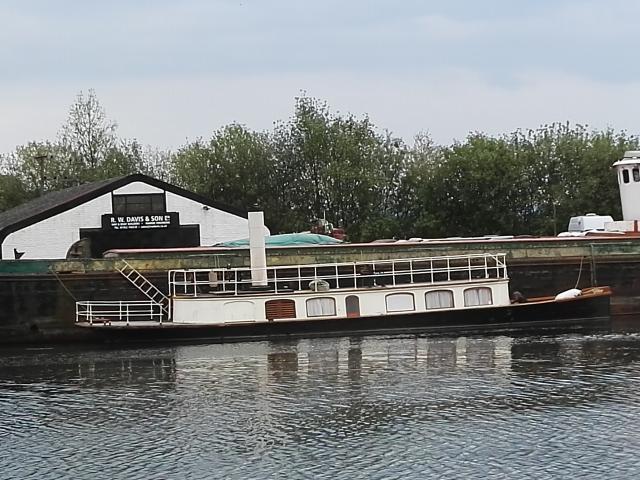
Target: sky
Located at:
point(170, 72)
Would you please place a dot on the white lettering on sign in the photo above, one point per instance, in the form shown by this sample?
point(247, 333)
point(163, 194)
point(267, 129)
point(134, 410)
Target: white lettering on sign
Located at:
point(139, 221)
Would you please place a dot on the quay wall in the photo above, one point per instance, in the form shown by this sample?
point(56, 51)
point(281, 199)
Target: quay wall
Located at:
point(38, 296)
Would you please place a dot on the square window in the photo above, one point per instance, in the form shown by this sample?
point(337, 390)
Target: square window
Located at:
point(439, 299)
point(400, 302)
point(139, 204)
point(321, 307)
point(474, 297)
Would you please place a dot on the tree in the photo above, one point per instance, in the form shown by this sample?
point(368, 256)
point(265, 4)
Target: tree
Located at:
point(301, 149)
point(12, 192)
point(338, 166)
point(528, 182)
point(41, 167)
point(88, 138)
point(477, 189)
point(234, 168)
point(570, 167)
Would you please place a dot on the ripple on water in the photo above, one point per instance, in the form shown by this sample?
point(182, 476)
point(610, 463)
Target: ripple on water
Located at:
point(374, 407)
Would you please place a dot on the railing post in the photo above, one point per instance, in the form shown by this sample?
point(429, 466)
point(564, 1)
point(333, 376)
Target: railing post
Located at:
point(393, 273)
point(275, 279)
point(194, 277)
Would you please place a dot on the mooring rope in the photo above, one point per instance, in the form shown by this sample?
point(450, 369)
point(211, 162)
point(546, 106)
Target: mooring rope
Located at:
point(55, 274)
point(579, 272)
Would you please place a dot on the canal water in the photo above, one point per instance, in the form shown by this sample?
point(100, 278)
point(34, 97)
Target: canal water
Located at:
point(545, 406)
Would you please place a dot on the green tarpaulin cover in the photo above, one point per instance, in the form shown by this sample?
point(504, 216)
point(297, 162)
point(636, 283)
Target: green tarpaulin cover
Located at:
point(287, 239)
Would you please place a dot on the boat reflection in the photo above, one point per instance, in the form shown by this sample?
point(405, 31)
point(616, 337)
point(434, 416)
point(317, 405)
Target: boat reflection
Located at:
point(90, 368)
point(372, 367)
point(380, 380)
point(358, 356)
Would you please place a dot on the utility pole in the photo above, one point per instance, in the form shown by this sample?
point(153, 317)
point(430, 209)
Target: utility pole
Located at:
point(41, 158)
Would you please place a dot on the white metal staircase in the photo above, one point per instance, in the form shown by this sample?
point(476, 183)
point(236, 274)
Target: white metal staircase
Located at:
point(145, 286)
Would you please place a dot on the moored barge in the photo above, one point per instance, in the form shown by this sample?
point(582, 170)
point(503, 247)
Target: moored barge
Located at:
point(426, 294)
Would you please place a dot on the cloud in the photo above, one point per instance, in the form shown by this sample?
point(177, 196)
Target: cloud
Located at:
point(170, 71)
point(449, 104)
point(440, 27)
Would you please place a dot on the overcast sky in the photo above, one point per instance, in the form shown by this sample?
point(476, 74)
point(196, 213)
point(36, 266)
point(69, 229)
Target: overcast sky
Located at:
point(169, 72)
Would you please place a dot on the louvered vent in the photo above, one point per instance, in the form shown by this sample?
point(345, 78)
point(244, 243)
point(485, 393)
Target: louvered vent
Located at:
point(280, 309)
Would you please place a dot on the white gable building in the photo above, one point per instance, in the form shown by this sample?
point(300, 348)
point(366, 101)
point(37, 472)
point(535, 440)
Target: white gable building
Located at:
point(134, 211)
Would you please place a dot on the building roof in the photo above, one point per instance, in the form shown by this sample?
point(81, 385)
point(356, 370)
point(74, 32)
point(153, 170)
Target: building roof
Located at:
point(53, 203)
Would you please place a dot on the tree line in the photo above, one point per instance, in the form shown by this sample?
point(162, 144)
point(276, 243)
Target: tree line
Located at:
point(321, 163)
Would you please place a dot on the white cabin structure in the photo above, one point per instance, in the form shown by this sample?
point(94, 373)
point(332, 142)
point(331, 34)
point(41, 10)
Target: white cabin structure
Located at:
point(341, 290)
point(628, 173)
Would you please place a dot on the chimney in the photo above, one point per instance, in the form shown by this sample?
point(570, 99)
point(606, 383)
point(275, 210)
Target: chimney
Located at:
point(257, 249)
point(628, 173)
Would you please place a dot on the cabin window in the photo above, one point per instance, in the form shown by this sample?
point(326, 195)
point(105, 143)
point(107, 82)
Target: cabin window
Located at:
point(321, 307)
point(400, 302)
point(636, 174)
point(439, 299)
point(139, 204)
point(474, 297)
point(275, 309)
point(353, 306)
point(625, 176)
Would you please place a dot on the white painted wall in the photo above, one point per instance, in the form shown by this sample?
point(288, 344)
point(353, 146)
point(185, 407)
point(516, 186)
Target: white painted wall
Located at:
point(211, 309)
point(52, 237)
point(215, 225)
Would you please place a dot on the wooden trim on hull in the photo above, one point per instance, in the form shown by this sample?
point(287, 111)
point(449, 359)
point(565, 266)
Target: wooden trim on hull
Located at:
point(587, 310)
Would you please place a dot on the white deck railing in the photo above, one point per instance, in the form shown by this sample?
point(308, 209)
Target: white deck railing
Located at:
point(235, 281)
point(118, 311)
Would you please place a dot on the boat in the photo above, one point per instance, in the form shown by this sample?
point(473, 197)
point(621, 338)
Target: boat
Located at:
point(442, 294)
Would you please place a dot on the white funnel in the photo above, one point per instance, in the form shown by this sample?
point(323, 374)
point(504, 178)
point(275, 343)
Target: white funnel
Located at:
point(257, 250)
point(628, 171)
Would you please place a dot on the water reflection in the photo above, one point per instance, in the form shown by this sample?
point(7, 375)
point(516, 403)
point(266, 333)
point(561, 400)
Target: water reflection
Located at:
point(91, 369)
point(374, 407)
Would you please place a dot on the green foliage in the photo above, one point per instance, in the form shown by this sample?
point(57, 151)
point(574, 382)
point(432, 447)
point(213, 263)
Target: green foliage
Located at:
point(234, 168)
point(12, 192)
point(525, 183)
point(88, 137)
point(320, 163)
point(571, 170)
point(86, 150)
point(40, 168)
point(337, 166)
